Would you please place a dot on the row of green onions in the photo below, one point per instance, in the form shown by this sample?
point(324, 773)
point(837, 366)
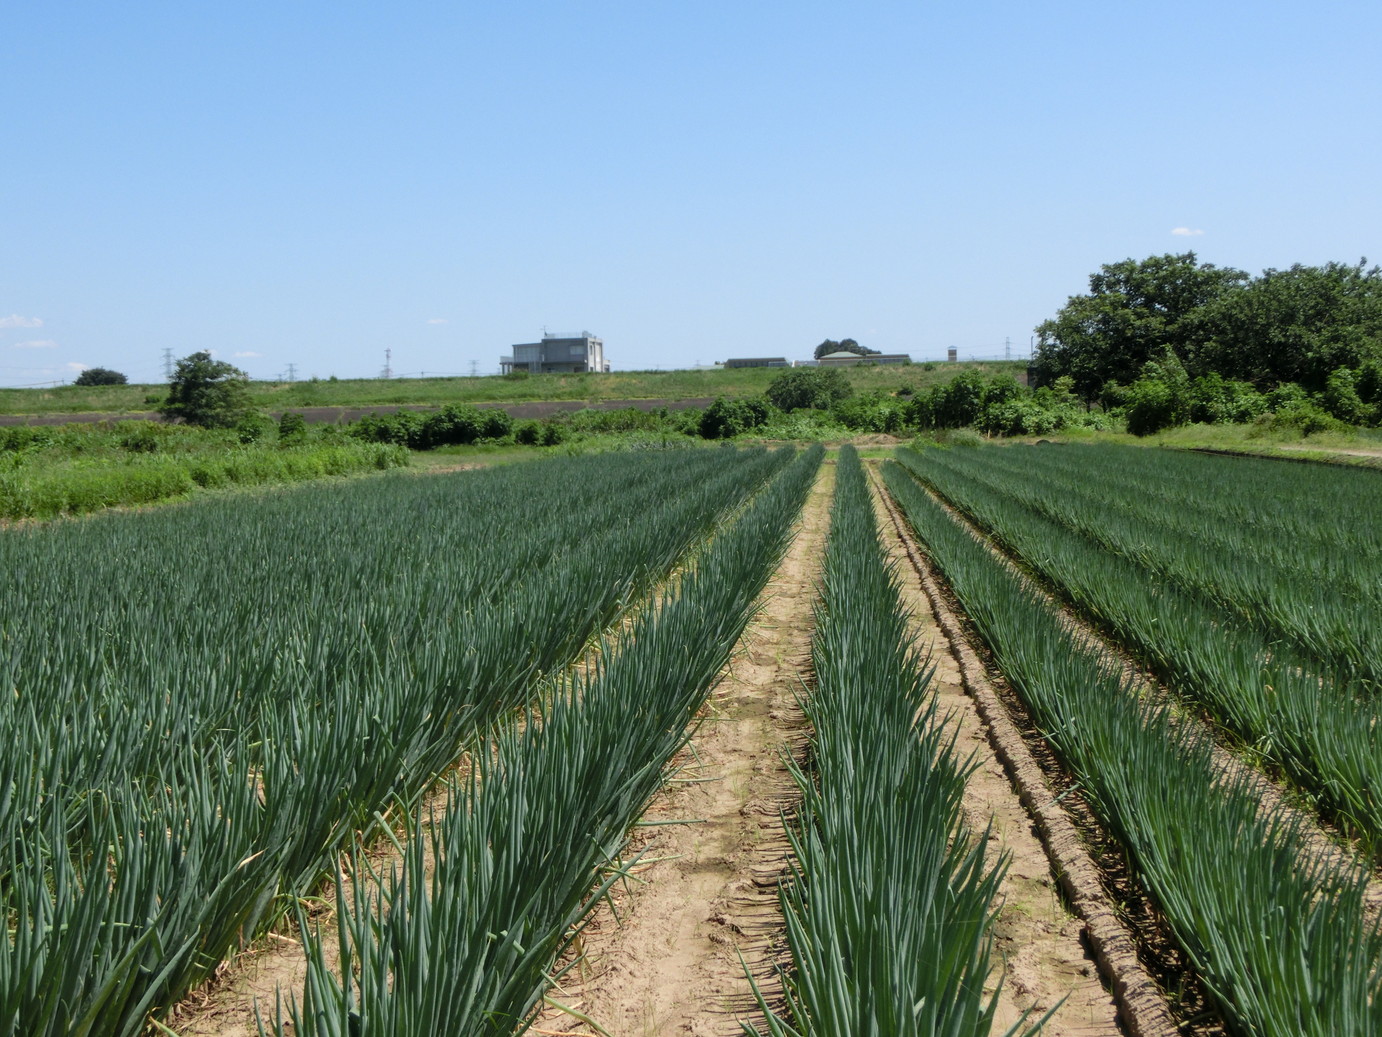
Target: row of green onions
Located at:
point(1279, 935)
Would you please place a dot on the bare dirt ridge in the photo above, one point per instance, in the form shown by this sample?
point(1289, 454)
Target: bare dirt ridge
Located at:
point(1141, 1006)
point(674, 960)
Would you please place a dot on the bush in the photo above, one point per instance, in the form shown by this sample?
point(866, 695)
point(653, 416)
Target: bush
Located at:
point(252, 428)
point(1305, 418)
point(803, 387)
point(292, 427)
point(100, 376)
point(1154, 405)
point(725, 419)
point(872, 413)
point(141, 437)
point(1215, 400)
point(1341, 399)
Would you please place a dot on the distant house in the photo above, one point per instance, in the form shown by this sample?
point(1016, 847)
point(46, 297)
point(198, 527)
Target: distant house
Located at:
point(844, 358)
point(557, 354)
point(757, 361)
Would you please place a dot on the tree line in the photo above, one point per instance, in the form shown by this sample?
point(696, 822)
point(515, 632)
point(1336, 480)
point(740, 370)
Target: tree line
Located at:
point(1169, 339)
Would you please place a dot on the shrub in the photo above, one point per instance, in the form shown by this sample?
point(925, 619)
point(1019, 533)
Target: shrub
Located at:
point(872, 413)
point(100, 376)
point(725, 419)
point(1215, 400)
point(1154, 405)
point(803, 387)
point(1341, 399)
point(292, 427)
point(252, 428)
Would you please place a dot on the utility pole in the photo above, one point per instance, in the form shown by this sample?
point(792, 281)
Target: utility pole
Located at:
point(292, 372)
point(168, 364)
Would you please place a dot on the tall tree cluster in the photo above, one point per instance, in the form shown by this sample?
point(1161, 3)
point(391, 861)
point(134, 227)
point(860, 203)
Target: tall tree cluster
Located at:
point(1301, 325)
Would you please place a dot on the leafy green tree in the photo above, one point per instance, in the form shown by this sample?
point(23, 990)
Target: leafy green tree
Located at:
point(817, 387)
point(207, 392)
point(1134, 311)
point(845, 345)
point(100, 376)
point(1297, 325)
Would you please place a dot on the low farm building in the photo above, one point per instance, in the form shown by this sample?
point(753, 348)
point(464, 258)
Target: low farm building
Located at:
point(557, 354)
point(844, 358)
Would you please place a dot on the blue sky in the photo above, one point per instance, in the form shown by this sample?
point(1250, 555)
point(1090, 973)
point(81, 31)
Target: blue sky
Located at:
point(311, 184)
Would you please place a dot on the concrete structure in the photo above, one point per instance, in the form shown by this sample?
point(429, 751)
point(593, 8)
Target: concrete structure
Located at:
point(844, 358)
point(757, 361)
point(557, 354)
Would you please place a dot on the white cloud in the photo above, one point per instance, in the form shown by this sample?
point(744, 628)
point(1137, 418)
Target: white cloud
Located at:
point(437, 320)
point(72, 365)
point(247, 354)
point(36, 343)
point(1187, 232)
point(14, 320)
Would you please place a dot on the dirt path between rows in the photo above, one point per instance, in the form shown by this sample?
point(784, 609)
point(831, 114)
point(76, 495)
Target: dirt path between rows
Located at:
point(671, 963)
point(1040, 957)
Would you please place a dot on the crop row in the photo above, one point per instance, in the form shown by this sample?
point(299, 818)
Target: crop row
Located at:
point(530, 840)
point(1279, 935)
point(1322, 596)
point(205, 703)
point(1322, 735)
point(890, 903)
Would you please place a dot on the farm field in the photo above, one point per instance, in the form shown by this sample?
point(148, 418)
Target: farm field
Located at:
point(769, 747)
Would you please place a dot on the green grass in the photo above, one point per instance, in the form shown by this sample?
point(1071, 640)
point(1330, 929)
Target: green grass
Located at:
point(373, 392)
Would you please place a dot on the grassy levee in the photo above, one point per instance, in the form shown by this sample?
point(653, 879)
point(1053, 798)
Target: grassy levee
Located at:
point(209, 702)
point(1279, 936)
point(1295, 553)
point(528, 845)
point(1323, 735)
point(890, 903)
point(371, 392)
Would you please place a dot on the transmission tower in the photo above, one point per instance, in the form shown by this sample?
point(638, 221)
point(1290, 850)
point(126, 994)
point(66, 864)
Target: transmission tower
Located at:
point(168, 364)
point(292, 372)
point(388, 364)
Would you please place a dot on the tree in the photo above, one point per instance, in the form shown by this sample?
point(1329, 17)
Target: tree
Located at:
point(800, 387)
point(207, 392)
point(1297, 325)
point(846, 345)
point(101, 376)
point(1134, 311)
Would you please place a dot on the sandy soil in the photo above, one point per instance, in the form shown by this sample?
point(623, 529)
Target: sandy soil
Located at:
point(674, 961)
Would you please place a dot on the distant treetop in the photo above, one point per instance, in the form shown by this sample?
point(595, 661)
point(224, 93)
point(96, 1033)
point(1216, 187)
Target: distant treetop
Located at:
point(846, 345)
point(101, 376)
